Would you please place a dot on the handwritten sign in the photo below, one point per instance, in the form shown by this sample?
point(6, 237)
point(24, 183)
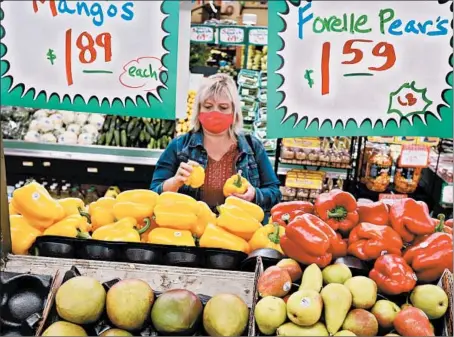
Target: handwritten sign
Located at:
point(117, 57)
point(202, 34)
point(414, 156)
point(258, 36)
point(231, 35)
point(360, 68)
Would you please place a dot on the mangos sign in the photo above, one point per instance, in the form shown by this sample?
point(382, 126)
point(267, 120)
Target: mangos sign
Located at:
point(117, 57)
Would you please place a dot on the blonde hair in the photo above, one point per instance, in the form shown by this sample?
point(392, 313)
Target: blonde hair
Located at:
point(214, 87)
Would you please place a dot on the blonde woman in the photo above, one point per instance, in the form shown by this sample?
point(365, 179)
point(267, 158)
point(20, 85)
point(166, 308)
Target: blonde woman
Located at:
point(217, 143)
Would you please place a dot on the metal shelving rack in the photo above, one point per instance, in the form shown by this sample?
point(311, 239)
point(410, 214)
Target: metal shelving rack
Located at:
point(348, 174)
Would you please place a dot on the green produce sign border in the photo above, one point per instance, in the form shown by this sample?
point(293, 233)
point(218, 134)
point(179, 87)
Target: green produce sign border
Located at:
point(282, 125)
point(17, 95)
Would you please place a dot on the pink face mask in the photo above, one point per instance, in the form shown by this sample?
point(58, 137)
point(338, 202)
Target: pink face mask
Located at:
point(215, 121)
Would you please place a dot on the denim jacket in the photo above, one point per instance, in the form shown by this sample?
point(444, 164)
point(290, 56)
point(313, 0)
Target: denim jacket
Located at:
point(256, 168)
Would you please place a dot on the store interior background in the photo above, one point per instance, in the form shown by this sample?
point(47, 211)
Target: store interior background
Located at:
point(99, 154)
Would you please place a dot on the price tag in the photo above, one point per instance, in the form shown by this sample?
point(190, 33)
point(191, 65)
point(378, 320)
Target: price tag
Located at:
point(202, 34)
point(447, 193)
point(391, 199)
point(258, 36)
point(414, 156)
point(231, 35)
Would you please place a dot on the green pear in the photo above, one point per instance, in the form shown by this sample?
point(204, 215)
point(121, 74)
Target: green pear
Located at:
point(361, 323)
point(304, 307)
point(431, 299)
point(291, 329)
point(344, 333)
point(336, 273)
point(62, 328)
point(385, 311)
point(364, 291)
point(312, 278)
point(270, 313)
point(337, 301)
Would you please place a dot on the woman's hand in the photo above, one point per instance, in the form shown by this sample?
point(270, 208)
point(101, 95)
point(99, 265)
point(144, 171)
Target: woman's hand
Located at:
point(249, 195)
point(180, 178)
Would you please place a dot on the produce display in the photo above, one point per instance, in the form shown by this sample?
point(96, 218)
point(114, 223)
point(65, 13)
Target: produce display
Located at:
point(183, 125)
point(257, 58)
point(317, 151)
point(64, 127)
point(136, 132)
point(137, 216)
point(85, 307)
point(333, 301)
point(15, 121)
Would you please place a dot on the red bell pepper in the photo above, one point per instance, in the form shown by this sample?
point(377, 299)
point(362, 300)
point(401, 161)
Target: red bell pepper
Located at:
point(338, 209)
point(305, 240)
point(338, 246)
point(410, 218)
point(431, 256)
point(393, 275)
point(368, 241)
point(284, 212)
point(375, 213)
point(294, 251)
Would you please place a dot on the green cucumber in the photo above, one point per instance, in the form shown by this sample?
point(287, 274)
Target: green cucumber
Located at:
point(117, 137)
point(124, 138)
point(109, 137)
point(106, 125)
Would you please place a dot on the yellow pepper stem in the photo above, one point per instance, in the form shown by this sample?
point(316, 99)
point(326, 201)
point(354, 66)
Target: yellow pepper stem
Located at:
point(84, 214)
point(238, 182)
point(146, 227)
point(83, 235)
point(274, 237)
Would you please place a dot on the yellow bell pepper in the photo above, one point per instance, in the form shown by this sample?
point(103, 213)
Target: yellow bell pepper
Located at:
point(249, 207)
point(12, 210)
point(236, 221)
point(134, 210)
point(179, 215)
point(217, 237)
point(171, 198)
point(23, 235)
point(71, 227)
point(235, 184)
point(72, 205)
point(204, 217)
point(197, 177)
point(267, 237)
point(100, 217)
point(84, 224)
point(168, 236)
point(104, 202)
point(123, 230)
point(37, 206)
point(146, 197)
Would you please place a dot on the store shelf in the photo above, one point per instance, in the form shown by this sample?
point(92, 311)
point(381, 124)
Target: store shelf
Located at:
point(92, 153)
point(331, 172)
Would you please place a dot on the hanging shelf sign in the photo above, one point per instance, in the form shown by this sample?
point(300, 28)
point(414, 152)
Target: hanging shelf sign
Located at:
point(358, 68)
point(202, 34)
point(232, 35)
point(258, 36)
point(116, 57)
